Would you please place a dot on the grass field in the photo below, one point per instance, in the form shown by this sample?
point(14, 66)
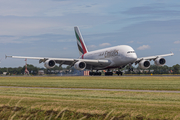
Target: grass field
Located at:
point(141, 83)
point(39, 103)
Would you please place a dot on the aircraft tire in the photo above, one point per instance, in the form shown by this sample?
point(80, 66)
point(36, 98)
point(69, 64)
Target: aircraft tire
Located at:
point(108, 73)
point(119, 73)
point(91, 73)
point(97, 74)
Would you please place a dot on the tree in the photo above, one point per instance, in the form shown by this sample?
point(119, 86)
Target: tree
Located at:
point(176, 69)
point(32, 69)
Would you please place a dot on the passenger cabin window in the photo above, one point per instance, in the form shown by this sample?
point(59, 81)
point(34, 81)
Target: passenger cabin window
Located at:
point(131, 52)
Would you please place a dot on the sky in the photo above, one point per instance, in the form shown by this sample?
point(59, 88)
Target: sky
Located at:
point(45, 28)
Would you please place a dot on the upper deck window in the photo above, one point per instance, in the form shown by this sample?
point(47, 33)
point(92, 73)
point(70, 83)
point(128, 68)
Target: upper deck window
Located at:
point(131, 52)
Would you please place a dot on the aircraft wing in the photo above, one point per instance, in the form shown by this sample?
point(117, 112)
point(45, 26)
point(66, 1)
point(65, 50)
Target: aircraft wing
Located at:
point(152, 57)
point(67, 61)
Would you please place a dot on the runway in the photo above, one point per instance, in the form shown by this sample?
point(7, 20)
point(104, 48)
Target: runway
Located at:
point(122, 90)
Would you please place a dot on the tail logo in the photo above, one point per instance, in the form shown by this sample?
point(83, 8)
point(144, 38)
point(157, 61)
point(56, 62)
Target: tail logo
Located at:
point(80, 42)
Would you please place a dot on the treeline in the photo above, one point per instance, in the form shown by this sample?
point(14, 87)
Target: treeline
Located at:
point(33, 70)
point(175, 69)
point(154, 69)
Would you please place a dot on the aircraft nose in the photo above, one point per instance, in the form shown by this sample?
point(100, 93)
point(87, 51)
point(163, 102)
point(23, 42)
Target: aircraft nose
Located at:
point(134, 57)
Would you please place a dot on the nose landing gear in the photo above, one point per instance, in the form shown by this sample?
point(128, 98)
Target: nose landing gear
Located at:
point(130, 67)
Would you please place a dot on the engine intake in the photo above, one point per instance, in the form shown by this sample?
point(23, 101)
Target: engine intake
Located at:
point(160, 61)
point(144, 64)
point(80, 65)
point(49, 64)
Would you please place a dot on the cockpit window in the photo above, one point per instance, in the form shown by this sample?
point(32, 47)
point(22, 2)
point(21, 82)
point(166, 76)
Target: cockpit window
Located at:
point(131, 52)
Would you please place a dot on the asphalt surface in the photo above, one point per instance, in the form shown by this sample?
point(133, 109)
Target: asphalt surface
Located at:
point(155, 91)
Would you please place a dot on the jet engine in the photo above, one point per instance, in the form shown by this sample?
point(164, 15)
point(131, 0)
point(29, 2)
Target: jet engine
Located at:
point(144, 64)
point(80, 65)
point(49, 64)
point(160, 61)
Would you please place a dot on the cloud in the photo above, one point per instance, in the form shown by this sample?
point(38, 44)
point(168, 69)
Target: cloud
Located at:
point(67, 40)
point(10, 39)
point(88, 6)
point(65, 48)
point(105, 44)
point(130, 41)
point(31, 8)
point(91, 46)
point(153, 10)
point(143, 47)
point(138, 42)
point(177, 42)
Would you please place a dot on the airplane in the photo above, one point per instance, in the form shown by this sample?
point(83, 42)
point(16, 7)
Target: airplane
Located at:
point(103, 59)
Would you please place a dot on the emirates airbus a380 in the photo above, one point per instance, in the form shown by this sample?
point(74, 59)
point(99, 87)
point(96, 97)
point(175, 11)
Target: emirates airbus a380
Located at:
point(108, 58)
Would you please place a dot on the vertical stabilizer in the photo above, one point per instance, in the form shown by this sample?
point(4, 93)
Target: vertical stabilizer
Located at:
point(80, 42)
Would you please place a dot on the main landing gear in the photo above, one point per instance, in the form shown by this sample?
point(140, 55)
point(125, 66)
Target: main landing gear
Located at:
point(95, 73)
point(108, 73)
point(119, 73)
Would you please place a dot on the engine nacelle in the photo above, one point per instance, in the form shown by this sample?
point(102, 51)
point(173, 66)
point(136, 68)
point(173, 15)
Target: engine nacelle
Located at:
point(49, 64)
point(80, 65)
point(144, 64)
point(160, 61)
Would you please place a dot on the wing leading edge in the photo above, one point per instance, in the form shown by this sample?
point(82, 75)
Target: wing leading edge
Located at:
point(152, 57)
point(67, 61)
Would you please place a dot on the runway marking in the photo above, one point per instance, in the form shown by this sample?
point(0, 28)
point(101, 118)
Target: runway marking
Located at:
point(126, 90)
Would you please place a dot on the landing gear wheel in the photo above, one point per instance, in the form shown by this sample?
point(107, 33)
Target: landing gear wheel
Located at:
point(108, 73)
point(95, 73)
point(91, 73)
point(119, 73)
point(131, 69)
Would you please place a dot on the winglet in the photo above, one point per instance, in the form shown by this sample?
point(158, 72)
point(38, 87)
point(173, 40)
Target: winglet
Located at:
point(7, 56)
point(172, 53)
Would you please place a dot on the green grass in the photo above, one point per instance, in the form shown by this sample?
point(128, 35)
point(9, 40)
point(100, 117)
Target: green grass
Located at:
point(40, 103)
point(132, 104)
point(141, 83)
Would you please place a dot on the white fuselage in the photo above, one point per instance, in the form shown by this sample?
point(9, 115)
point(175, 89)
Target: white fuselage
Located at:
point(118, 56)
